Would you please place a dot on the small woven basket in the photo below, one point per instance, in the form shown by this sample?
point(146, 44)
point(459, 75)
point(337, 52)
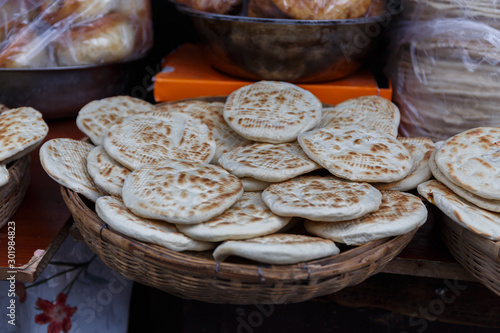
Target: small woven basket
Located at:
point(197, 276)
point(12, 193)
point(478, 255)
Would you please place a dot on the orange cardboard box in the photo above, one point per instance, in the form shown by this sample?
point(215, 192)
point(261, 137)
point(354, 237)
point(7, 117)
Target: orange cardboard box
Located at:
point(187, 74)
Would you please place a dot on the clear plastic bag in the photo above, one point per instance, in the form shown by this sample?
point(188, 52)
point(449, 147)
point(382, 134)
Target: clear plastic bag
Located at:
point(55, 33)
point(484, 11)
point(445, 75)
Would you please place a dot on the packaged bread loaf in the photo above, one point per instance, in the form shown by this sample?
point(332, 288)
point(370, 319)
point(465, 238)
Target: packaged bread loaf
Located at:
point(57, 33)
point(445, 73)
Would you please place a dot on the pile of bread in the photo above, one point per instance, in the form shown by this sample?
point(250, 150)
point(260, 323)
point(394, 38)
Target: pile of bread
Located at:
point(290, 9)
point(21, 131)
point(270, 174)
point(466, 188)
point(53, 33)
point(444, 66)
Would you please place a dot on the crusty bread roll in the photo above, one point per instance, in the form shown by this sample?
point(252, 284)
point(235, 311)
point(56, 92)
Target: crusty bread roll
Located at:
point(24, 48)
point(138, 12)
point(323, 10)
point(13, 14)
point(264, 8)
point(76, 10)
point(212, 6)
point(108, 39)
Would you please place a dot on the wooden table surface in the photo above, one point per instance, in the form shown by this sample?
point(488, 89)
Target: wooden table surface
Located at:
point(43, 222)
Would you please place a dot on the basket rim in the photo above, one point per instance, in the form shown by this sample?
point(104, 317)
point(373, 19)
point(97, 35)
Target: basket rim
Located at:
point(482, 242)
point(17, 171)
point(318, 269)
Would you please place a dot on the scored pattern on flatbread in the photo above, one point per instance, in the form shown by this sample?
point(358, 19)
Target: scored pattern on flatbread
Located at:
point(371, 111)
point(272, 111)
point(4, 174)
point(278, 249)
point(398, 214)
point(268, 162)
point(181, 192)
point(471, 160)
point(21, 131)
point(95, 118)
point(358, 153)
point(319, 198)
point(489, 204)
point(420, 149)
point(107, 174)
point(112, 211)
point(469, 216)
point(65, 161)
point(249, 217)
point(139, 140)
point(210, 113)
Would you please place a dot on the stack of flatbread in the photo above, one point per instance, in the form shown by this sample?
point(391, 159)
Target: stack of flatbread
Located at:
point(466, 168)
point(444, 67)
point(240, 176)
point(484, 11)
point(21, 131)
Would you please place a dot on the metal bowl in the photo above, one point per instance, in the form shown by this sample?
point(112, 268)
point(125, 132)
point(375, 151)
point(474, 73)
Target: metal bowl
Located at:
point(62, 91)
point(285, 49)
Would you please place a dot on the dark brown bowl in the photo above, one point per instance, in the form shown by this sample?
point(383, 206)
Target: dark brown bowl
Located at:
point(61, 92)
point(285, 49)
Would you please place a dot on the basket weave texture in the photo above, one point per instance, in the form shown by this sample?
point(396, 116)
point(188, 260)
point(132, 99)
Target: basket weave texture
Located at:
point(478, 255)
point(197, 276)
point(12, 193)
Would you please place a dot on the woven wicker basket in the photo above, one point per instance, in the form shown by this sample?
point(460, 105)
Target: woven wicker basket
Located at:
point(12, 193)
point(478, 255)
point(197, 276)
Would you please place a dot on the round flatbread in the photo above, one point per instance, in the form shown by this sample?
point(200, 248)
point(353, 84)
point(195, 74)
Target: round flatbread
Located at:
point(358, 153)
point(95, 118)
point(469, 216)
point(272, 111)
point(471, 160)
point(253, 185)
point(318, 198)
point(181, 192)
point(249, 217)
point(489, 204)
point(65, 161)
point(112, 211)
point(277, 249)
point(21, 131)
point(268, 162)
point(210, 113)
point(371, 111)
point(4, 174)
point(139, 140)
point(398, 214)
point(420, 150)
point(107, 174)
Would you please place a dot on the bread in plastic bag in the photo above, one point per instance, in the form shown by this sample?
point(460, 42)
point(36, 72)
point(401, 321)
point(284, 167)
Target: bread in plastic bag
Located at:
point(484, 11)
point(57, 33)
point(445, 75)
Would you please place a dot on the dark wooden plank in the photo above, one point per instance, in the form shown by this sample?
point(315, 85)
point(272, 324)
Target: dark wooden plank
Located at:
point(425, 300)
